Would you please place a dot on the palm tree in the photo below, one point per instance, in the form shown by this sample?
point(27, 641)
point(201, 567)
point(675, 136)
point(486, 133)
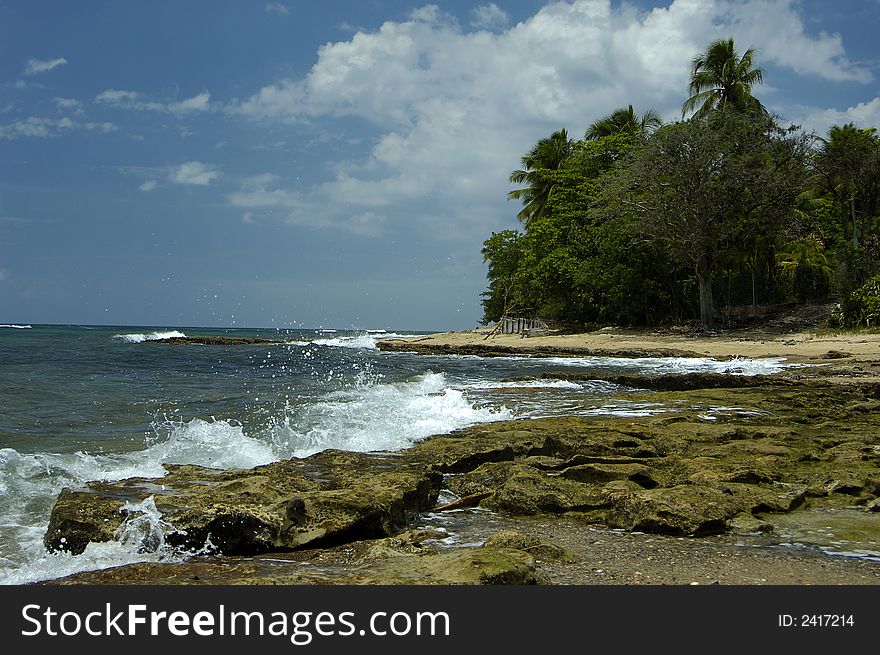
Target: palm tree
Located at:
point(848, 162)
point(721, 79)
point(623, 120)
point(548, 154)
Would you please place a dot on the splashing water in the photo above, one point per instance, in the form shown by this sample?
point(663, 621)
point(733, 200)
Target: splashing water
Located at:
point(138, 337)
point(377, 417)
point(144, 530)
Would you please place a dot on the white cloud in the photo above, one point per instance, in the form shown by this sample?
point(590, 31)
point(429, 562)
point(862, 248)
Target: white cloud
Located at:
point(149, 185)
point(133, 100)
point(261, 192)
point(489, 16)
point(194, 173)
point(277, 8)
point(69, 104)
point(200, 102)
point(36, 126)
point(36, 66)
point(264, 193)
point(864, 114)
point(455, 109)
point(775, 26)
point(41, 127)
point(117, 96)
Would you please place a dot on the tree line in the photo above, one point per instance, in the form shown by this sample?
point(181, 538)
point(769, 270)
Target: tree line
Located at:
point(644, 223)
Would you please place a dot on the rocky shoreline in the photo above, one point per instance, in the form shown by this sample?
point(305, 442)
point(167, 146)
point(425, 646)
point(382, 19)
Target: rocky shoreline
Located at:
point(724, 459)
point(218, 341)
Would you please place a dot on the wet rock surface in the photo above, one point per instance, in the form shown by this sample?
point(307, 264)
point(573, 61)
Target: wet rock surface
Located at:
point(781, 448)
point(406, 558)
point(331, 497)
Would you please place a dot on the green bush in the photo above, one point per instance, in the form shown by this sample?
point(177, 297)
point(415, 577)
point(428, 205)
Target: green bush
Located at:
point(861, 308)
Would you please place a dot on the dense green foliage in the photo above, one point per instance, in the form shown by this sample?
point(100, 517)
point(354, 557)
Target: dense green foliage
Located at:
point(641, 223)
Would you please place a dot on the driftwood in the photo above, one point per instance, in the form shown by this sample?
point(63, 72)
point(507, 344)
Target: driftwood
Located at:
point(467, 501)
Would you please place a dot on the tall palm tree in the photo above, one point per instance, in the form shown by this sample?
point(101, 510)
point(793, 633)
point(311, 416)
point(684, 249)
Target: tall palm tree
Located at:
point(548, 154)
point(721, 79)
point(624, 119)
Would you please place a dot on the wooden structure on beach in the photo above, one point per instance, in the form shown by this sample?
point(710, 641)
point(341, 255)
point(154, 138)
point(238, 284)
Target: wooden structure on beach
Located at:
point(527, 327)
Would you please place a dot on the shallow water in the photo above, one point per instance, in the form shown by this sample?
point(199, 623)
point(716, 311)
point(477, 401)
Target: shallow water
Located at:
point(842, 532)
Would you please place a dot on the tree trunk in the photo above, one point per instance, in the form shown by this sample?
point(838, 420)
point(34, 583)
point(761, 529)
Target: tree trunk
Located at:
point(707, 302)
point(852, 211)
point(754, 294)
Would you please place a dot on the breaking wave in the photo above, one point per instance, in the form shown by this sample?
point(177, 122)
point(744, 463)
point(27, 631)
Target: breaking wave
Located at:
point(151, 336)
point(371, 416)
point(368, 340)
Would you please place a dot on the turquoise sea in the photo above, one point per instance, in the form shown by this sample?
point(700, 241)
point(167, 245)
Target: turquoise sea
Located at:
point(81, 403)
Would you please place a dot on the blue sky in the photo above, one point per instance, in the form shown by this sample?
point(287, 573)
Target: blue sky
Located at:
point(336, 164)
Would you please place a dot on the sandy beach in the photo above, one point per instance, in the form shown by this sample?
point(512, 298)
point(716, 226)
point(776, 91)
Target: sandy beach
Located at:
point(853, 348)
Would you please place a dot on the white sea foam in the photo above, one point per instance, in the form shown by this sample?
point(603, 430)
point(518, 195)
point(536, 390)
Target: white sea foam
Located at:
point(140, 538)
point(144, 529)
point(217, 444)
point(49, 566)
point(382, 417)
point(29, 484)
point(368, 340)
point(17, 327)
point(661, 365)
point(151, 336)
point(527, 384)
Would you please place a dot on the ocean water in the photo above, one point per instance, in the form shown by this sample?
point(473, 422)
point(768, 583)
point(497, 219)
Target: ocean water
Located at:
point(80, 403)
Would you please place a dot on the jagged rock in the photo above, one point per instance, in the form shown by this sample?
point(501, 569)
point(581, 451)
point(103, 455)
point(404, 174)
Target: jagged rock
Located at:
point(399, 560)
point(836, 354)
point(465, 450)
point(81, 517)
point(328, 498)
point(745, 523)
point(465, 566)
point(602, 473)
point(217, 341)
point(521, 489)
point(680, 510)
point(849, 486)
point(553, 440)
point(408, 542)
point(536, 546)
